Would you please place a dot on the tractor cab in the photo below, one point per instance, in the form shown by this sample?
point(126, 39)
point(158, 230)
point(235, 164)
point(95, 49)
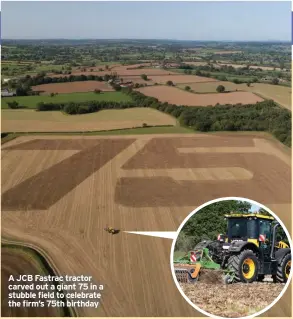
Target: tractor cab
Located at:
point(253, 248)
point(252, 228)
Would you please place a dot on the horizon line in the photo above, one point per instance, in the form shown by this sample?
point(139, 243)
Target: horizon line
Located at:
point(142, 39)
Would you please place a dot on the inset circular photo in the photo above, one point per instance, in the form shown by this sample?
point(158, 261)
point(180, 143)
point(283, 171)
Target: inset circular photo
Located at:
point(232, 258)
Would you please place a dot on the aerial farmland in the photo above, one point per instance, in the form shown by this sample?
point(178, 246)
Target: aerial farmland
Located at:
point(175, 96)
point(149, 182)
point(131, 135)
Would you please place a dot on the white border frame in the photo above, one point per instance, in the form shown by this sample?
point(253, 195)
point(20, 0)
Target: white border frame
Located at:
point(175, 239)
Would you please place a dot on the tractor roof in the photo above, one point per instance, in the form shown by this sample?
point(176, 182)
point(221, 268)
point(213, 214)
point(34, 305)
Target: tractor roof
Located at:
point(250, 215)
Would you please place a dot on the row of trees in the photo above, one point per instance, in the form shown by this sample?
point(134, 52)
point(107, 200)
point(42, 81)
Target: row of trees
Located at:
point(83, 107)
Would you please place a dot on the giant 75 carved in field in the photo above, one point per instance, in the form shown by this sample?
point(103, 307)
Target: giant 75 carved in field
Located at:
point(44, 189)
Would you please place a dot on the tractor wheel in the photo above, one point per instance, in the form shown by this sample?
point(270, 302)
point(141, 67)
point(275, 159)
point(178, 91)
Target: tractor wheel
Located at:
point(244, 266)
point(284, 269)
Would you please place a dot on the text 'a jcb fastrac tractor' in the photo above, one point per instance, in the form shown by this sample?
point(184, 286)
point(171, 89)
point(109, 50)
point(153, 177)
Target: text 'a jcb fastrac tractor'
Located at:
point(248, 252)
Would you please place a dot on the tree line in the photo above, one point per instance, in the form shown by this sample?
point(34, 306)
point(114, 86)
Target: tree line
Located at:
point(84, 107)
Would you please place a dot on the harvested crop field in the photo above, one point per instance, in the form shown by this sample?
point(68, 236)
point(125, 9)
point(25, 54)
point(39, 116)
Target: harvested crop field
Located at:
point(149, 183)
point(174, 95)
point(181, 79)
point(232, 301)
point(32, 121)
point(278, 93)
point(71, 87)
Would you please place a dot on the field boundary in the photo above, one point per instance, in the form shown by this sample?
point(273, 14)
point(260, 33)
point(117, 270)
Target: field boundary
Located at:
point(262, 134)
point(45, 263)
point(81, 132)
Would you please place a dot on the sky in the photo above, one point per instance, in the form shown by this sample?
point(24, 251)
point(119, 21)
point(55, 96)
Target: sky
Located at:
point(212, 21)
point(254, 208)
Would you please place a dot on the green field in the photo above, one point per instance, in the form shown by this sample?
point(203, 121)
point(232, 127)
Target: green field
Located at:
point(32, 101)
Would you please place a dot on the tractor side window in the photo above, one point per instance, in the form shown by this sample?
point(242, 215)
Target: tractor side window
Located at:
point(265, 229)
point(238, 229)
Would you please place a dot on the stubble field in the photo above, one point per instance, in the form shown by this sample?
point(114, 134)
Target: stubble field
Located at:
point(177, 79)
point(56, 121)
point(145, 183)
point(176, 96)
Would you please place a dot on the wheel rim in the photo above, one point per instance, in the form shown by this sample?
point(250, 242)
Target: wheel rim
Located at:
point(248, 268)
point(288, 269)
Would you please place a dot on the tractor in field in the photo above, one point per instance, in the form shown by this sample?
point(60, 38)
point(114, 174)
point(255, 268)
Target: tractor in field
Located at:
point(112, 230)
point(249, 251)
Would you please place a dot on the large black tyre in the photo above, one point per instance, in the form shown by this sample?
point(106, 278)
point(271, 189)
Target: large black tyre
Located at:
point(244, 266)
point(284, 268)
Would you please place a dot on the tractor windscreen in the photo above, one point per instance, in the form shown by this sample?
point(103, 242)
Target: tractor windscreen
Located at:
point(241, 228)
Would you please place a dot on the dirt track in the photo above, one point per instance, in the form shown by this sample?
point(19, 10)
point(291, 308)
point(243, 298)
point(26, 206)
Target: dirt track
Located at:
point(83, 178)
point(177, 96)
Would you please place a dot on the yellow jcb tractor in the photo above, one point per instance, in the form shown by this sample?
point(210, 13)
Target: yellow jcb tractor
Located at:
point(112, 230)
point(252, 249)
point(249, 251)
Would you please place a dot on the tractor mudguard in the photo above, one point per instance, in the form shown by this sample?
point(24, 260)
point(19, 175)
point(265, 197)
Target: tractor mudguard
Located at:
point(280, 253)
point(238, 246)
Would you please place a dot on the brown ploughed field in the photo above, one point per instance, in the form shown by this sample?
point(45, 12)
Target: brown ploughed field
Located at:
point(181, 79)
point(73, 87)
point(176, 96)
point(60, 192)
